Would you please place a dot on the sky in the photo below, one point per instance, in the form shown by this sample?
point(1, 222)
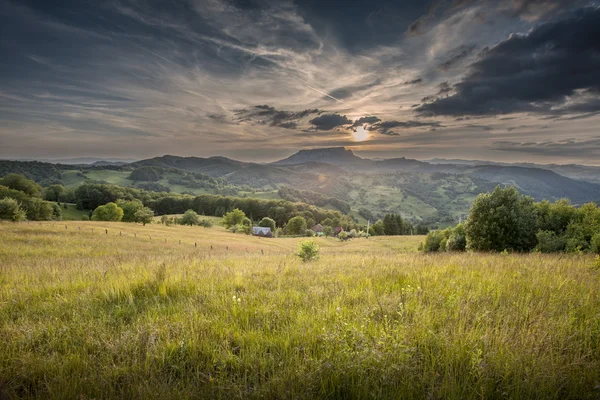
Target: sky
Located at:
point(257, 80)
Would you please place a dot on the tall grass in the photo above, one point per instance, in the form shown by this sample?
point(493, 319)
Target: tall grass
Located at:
point(89, 315)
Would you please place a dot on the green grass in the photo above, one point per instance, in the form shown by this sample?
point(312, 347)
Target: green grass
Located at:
point(71, 213)
point(85, 314)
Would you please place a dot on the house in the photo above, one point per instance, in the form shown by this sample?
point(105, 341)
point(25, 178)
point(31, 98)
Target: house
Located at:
point(338, 230)
point(262, 231)
point(318, 228)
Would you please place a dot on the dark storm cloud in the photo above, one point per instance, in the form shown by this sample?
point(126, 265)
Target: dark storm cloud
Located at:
point(328, 122)
point(456, 57)
point(563, 148)
point(385, 127)
point(370, 120)
point(551, 66)
point(267, 115)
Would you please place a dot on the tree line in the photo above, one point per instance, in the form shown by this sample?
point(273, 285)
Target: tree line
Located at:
point(504, 220)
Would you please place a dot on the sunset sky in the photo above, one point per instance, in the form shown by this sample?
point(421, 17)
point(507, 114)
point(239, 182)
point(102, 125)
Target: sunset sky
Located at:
point(257, 80)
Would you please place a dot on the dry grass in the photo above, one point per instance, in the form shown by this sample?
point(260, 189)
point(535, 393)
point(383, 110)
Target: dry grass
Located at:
point(88, 315)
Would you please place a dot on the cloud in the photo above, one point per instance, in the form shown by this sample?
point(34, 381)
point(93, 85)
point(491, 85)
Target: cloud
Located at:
point(385, 127)
point(327, 122)
point(414, 81)
point(370, 120)
point(535, 72)
point(268, 115)
point(456, 57)
point(571, 147)
point(347, 91)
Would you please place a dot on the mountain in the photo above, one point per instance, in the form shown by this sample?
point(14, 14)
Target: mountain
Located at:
point(440, 191)
point(331, 155)
point(212, 166)
point(575, 171)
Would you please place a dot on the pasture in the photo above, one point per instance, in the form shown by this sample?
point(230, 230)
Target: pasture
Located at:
point(155, 312)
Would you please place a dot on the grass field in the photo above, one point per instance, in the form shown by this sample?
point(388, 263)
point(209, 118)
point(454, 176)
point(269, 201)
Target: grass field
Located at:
point(134, 313)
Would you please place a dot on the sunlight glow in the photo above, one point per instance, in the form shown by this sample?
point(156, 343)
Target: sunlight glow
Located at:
point(360, 135)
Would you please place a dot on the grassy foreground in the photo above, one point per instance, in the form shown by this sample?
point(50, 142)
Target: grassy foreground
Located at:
point(90, 315)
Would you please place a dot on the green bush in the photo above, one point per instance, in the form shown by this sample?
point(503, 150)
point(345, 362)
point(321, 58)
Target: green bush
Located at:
point(190, 217)
point(550, 242)
point(309, 233)
point(595, 244)
point(108, 212)
point(308, 251)
point(343, 236)
point(11, 210)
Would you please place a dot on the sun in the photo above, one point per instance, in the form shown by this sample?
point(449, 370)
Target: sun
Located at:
point(360, 135)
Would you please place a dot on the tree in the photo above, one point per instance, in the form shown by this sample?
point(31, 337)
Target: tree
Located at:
point(54, 192)
point(457, 239)
point(108, 212)
point(144, 215)
point(327, 230)
point(296, 226)
point(392, 224)
point(377, 229)
point(235, 217)
point(19, 182)
point(267, 222)
point(308, 251)
point(148, 174)
point(56, 212)
point(130, 208)
point(11, 210)
point(502, 220)
point(190, 217)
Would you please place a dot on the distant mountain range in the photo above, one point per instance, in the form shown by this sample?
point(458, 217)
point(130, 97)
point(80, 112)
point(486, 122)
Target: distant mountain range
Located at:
point(436, 190)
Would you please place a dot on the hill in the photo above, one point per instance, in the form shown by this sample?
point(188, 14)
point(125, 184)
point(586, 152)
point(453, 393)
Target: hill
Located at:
point(440, 191)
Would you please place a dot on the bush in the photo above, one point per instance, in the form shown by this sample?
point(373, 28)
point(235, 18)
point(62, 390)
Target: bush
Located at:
point(144, 215)
point(205, 223)
point(190, 217)
point(296, 226)
point(234, 217)
point(309, 233)
point(343, 236)
point(432, 241)
point(11, 210)
point(267, 222)
point(308, 251)
point(502, 220)
point(108, 212)
point(595, 244)
point(550, 242)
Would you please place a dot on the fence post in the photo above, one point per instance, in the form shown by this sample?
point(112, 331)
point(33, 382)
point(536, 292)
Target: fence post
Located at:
point(195, 244)
point(106, 230)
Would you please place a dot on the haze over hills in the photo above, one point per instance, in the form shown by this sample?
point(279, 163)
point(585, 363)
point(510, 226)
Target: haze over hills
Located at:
point(441, 190)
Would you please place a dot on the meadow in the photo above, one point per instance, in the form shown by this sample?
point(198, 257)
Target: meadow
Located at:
point(94, 310)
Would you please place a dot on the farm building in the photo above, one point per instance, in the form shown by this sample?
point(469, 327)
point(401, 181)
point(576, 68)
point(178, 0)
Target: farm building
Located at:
point(318, 228)
point(262, 231)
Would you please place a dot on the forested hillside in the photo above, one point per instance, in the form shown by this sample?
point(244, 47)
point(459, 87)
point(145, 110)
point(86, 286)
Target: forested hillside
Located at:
point(434, 193)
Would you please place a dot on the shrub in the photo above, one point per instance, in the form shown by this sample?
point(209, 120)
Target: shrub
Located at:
point(267, 222)
point(550, 242)
point(190, 217)
point(234, 217)
point(11, 210)
point(501, 220)
point(309, 233)
point(296, 226)
point(433, 241)
point(343, 236)
point(206, 223)
point(144, 215)
point(595, 244)
point(108, 212)
point(308, 251)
